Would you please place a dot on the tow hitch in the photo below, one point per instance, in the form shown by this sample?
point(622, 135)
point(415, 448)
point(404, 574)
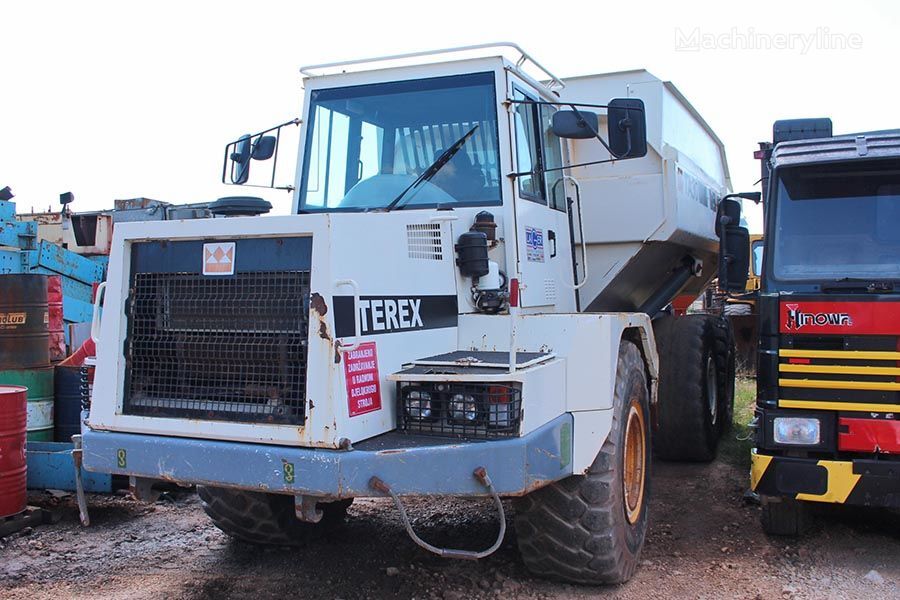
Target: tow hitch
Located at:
point(481, 475)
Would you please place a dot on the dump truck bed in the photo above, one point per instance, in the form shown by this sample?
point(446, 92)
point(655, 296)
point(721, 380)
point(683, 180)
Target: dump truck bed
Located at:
point(643, 217)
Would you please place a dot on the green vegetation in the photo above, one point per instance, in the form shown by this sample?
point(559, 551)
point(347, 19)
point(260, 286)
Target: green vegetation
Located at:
point(736, 444)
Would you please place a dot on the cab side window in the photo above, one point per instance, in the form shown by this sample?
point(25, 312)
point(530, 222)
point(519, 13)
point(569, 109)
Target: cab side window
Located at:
point(537, 149)
point(528, 154)
point(553, 159)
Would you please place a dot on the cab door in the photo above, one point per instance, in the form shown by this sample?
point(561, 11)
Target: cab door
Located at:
point(542, 226)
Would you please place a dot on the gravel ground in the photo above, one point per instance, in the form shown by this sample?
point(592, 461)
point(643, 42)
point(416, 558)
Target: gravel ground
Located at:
point(704, 542)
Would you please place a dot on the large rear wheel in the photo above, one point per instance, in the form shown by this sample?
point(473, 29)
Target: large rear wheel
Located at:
point(590, 528)
point(694, 395)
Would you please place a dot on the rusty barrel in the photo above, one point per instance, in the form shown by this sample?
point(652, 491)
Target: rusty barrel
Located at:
point(56, 331)
point(40, 399)
point(13, 494)
point(24, 322)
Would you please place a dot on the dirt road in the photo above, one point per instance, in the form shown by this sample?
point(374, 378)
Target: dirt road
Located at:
point(704, 542)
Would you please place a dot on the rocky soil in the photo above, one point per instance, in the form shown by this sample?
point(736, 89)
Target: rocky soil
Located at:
point(704, 542)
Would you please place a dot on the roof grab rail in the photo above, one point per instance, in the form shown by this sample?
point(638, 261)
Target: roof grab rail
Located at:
point(554, 81)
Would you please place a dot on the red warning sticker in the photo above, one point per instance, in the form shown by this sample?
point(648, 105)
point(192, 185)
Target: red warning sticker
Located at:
point(363, 387)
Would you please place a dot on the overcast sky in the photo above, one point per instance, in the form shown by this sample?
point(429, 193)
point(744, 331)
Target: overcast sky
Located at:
point(110, 100)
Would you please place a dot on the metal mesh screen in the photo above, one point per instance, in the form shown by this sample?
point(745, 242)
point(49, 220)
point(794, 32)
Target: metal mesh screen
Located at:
point(218, 348)
point(466, 410)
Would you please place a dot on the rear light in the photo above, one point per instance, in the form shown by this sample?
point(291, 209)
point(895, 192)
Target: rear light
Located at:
point(514, 292)
point(797, 431)
point(499, 414)
point(759, 154)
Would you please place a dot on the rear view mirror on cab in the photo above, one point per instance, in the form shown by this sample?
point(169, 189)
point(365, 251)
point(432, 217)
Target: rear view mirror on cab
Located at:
point(734, 246)
point(247, 147)
point(240, 160)
point(264, 147)
point(575, 124)
point(250, 147)
point(626, 124)
point(626, 127)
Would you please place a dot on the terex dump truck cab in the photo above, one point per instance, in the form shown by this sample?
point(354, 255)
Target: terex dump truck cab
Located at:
point(414, 327)
point(829, 329)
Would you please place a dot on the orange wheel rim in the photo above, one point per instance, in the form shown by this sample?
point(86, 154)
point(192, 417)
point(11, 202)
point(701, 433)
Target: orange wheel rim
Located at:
point(635, 463)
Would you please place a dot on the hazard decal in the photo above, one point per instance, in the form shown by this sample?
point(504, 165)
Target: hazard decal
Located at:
point(218, 258)
point(363, 386)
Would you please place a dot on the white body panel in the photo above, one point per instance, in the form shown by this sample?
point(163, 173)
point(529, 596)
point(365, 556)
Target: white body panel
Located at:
point(334, 258)
point(588, 346)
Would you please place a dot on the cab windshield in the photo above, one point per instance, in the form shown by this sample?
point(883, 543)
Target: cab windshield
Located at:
point(366, 144)
point(838, 221)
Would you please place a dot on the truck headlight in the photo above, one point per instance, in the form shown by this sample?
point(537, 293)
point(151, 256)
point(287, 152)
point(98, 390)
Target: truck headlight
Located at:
point(799, 431)
point(463, 408)
point(418, 405)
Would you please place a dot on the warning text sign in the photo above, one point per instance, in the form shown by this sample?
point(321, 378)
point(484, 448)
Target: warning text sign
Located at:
point(363, 387)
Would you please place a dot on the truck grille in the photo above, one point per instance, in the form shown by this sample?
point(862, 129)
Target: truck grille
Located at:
point(218, 348)
point(850, 373)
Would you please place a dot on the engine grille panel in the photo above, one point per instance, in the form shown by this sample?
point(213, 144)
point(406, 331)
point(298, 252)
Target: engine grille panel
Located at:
point(218, 348)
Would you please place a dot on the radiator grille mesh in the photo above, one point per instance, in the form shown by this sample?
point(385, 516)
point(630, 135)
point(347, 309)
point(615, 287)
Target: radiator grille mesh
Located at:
point(424, 240)
point(218, 348)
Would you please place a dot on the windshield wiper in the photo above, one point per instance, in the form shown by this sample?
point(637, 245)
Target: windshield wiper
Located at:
point(857, 283)
point(433, 168)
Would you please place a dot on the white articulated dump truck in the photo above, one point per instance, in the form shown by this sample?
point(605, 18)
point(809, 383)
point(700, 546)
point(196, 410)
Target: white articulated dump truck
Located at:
point(455, 307)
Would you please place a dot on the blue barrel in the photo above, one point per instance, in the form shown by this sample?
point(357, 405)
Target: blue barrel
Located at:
point(67, 403)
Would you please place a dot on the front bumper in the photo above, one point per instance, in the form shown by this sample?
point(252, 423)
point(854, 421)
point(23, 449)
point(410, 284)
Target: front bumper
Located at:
point(856, 482)
point(434, 467)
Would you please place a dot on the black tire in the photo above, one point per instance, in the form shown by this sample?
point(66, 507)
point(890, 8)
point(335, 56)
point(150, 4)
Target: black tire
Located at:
point(689, 406)
point(268, 519)
point(785, 516)
point(579, 529)
point(726, 356)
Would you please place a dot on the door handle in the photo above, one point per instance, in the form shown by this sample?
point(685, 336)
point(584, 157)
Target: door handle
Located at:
point(551, 236)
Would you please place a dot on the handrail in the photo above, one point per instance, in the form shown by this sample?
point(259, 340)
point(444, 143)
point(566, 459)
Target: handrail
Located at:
point(525, 57)
point(356, 320)
point(99, 296)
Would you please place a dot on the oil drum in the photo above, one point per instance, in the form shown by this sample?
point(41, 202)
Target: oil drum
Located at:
point(13, 494)
point(24, 321)
point(56, 331)
point(40, 399)
point(67, 408)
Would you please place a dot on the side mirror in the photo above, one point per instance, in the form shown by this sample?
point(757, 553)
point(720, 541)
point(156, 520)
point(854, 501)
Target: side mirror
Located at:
point(240, 160)
point(572, 125)
point(264, 147)
point(734, 247)
point(626, 124)
point(249, 147)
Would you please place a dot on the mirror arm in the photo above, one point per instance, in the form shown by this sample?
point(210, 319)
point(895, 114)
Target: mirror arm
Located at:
point(585, 164)
point(602, 141)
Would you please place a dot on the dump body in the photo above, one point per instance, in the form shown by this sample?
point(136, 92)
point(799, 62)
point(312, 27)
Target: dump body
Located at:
point(643, 217)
